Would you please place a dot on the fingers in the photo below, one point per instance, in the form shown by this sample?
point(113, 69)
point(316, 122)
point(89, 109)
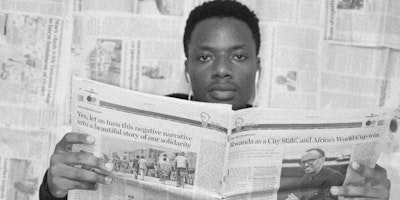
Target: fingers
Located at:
point(376, 185)
point(374, 177)
point(63, 175)
point(80, 158)
point(79, 174)
point(63, 178)
point(291, 196)
point(357, 191)
point(71, 138)
point(59, 187)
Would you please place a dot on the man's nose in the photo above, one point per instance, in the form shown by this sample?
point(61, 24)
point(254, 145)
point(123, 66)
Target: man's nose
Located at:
point(222, 67)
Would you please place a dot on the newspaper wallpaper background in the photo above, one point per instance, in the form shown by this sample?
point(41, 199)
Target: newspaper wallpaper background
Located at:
point(327, 54)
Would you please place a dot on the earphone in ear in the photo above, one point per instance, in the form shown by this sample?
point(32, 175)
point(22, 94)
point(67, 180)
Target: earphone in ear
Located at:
point(256, 80)
point(257, 76)
point(190, 93)
point(187, 77)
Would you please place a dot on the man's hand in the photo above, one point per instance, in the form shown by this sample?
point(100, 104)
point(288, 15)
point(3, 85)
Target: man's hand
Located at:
point(291, 196)
point(63, 175)
point(376, 185)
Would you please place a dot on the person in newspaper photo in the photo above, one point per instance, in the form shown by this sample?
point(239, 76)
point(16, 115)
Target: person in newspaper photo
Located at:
point(142, 167)
point(318, 180)
point(164, 168)
point(221, 44)
point(181, 166)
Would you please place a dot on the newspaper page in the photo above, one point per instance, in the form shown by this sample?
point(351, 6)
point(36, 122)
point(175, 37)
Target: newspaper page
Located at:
point(289, 83)
point(278, 10)
point(310, 13)
point(30, 47)
point(152, 7)
point(48, 7)
point(275, 160)
point(353, 77)
point(24, 159)
point(365, 23)
point(109, 48)
point(31, 41)
point(161, 147)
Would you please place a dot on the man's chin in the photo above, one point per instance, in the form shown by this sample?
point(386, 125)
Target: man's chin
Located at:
point(308, 171)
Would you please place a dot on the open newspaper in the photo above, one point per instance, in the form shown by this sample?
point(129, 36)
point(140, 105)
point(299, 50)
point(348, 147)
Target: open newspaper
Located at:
point(167, 148)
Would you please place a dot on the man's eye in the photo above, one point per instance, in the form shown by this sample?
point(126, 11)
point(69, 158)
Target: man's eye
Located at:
point(204, 58)
point(240, 57)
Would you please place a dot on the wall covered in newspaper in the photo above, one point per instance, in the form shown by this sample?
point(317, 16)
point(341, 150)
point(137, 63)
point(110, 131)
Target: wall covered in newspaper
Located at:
point(342, 54)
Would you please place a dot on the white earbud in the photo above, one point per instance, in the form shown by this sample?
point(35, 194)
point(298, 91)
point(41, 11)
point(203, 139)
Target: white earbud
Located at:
point(190, 93)
point(257, 76)
point(256, 80)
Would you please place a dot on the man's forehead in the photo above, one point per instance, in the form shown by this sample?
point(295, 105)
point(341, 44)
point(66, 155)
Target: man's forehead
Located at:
point(310, 154)
point(213, 47)
point(219, 32)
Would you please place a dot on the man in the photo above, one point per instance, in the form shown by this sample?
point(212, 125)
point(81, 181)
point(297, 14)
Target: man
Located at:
point(164, 168)
point(181, 166)
point(318, 180)
point(221, 43)
point(142, 167)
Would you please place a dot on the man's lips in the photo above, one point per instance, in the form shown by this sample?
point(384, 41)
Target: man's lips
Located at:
point(223, 92)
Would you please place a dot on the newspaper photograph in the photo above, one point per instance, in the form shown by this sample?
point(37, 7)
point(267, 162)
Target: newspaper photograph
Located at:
point(150, 163)
point(300, 164)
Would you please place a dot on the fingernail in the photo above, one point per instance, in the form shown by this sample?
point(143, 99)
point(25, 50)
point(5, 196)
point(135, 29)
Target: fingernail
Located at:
point(90, 139)
point(335, 190)
point(109, 166)
point(59, 193)
point(108, 180)
point(355, 165)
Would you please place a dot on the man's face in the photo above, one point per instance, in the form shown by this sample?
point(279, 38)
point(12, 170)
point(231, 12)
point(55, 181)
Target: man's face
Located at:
point(222, 62)
point(312, 162)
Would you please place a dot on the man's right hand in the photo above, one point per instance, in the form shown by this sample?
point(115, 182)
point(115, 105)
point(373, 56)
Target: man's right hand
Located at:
point(63, 176)
point(291, 196)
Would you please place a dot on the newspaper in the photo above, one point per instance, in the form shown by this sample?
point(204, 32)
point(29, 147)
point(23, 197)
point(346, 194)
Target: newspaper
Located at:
point(126, 56)
point(290, 83)
point(152, 7)
point(323, 75)
point(247, 154)
point(302, 12)
point(32, 42)
point(23, 161)
point(30, 47)
point(361, 22)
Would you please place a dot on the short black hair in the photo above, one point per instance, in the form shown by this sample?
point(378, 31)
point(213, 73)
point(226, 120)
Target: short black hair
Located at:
point(321, 153)
point(220, 9)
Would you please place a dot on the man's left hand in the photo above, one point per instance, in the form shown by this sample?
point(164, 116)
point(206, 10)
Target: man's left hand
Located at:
point(376, 186)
